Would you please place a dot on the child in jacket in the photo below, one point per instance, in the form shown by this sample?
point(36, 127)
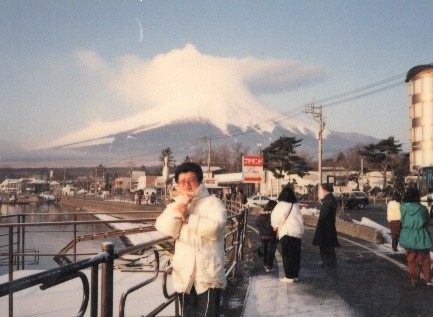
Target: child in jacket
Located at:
point(267, 235)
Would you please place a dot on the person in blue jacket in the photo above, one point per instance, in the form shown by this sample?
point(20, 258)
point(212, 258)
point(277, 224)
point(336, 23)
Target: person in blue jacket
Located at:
point(415, 237)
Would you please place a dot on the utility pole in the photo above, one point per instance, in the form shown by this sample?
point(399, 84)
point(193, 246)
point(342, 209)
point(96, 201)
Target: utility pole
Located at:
point(260, 149)
point(131, 165)
point(206, 139)
point(317, 114)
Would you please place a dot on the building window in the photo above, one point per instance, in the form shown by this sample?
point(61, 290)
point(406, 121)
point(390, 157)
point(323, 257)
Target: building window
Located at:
point(417, 158)
point(417, 86)
point(417, 109)
point(428, 132)
point(417, 134)
point(427, 88)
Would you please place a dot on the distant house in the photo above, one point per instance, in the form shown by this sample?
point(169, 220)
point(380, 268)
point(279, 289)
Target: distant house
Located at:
point(37, 186)
point(146, 182)
point(69, 190)
point(122, 183)
point(17, 186)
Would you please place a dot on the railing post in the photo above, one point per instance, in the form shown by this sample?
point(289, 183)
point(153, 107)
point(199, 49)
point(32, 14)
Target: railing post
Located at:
point(94, 289)
point(23, 239)
point(11, 269)
point(107, 281)
point(75, 239)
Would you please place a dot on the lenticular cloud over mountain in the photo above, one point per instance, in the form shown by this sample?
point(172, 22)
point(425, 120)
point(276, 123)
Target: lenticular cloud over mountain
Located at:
point(178, 98)
point(186, 85)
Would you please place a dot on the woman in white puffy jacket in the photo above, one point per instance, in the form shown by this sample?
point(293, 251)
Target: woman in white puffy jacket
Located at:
point(286, 219)
point(197, 221)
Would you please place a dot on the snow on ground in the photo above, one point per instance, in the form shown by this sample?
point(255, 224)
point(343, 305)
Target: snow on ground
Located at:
point(65, 299)
point(136, 238)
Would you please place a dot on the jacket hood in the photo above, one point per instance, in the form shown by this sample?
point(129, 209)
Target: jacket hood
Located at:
point(185, 198)
point(415, 208)
point(264, 212)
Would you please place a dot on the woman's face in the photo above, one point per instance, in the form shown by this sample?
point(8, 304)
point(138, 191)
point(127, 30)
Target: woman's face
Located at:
point(188, 182)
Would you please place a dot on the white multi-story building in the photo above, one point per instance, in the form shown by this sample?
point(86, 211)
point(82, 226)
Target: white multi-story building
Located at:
point(420, 84)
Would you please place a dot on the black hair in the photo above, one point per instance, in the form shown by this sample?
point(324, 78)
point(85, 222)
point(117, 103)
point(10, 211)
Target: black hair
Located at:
point(189, 167)
point(396, 196)
point(328, 187)
point(412, 195)
point(270, 205)
point(287, 194)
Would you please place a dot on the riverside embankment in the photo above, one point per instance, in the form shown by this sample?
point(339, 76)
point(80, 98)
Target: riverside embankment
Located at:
point(100, 206)
point(152, 211)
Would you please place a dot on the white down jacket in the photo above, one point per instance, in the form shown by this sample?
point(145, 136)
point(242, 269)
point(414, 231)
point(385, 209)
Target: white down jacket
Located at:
point(199, 250)
point(292, 225)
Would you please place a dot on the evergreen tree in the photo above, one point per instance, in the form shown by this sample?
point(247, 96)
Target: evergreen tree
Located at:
point(167, 152)
point(401, 170)
point(381, 154)
point(280, 157)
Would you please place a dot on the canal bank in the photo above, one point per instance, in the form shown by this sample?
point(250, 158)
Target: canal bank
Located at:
point(100, 206)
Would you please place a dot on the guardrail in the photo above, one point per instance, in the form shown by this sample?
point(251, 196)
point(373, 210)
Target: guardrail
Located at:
point(234, 241)
point(66, 273)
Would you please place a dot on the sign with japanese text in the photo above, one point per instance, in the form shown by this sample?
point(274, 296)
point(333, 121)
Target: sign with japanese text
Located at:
point(210, 181)
point(252, 169)
point(160, 184)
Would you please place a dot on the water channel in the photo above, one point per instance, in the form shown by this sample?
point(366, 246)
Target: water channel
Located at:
point(49, 239)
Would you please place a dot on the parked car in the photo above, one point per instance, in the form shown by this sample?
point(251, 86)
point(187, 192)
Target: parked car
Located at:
point(257, 200)
point(351, 200)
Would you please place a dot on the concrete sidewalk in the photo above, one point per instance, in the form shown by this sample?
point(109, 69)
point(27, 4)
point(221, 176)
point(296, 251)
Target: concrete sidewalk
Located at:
point(267, 296)
point(370, 280)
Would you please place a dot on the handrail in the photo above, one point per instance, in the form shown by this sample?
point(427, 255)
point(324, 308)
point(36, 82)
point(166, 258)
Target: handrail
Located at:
point(56, 276)
point(138, 286)
point(64, 279)
point(234, 240)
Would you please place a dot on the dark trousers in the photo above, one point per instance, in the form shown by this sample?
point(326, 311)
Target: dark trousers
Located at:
point(291, 254)
point(329, 258)
point(206, 304)
point(269, 249)
point(395, 227)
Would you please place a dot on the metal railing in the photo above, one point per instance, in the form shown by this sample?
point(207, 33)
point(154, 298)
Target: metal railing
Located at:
point(53, 277)
point(234, 241)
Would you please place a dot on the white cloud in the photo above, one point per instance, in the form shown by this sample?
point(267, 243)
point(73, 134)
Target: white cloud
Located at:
point(185, 81)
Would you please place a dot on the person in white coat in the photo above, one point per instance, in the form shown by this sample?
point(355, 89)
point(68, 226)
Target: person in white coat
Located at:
point(197, 221)
point(286, 219)
point(393, 217)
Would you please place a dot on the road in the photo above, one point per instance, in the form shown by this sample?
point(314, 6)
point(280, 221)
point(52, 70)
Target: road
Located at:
point(374, 212)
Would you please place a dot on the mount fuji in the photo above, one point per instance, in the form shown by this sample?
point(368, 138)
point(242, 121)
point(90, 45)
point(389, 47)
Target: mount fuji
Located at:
point(182, 128)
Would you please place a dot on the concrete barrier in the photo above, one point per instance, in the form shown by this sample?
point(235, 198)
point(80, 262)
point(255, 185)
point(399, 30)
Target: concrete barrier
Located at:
point(351, 229)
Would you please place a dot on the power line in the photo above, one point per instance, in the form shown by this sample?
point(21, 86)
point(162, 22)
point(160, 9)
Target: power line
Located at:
point(299, 109)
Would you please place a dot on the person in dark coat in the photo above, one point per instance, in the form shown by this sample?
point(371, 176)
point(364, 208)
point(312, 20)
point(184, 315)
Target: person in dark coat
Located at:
point(326, 233)
point(267, 235)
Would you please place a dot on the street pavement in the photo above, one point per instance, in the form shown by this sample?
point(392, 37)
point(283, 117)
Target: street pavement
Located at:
point(370, 280)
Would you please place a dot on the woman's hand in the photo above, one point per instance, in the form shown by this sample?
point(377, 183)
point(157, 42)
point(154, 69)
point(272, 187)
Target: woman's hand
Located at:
point(180, 210)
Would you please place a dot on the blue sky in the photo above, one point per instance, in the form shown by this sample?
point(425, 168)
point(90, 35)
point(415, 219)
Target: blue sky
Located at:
point(51, 49)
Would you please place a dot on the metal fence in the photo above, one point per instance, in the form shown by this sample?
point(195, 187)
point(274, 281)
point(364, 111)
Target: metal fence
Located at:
point(16, 253)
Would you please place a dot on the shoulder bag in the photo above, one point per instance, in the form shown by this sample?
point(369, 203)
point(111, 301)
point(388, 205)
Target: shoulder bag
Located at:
point(279, 228)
